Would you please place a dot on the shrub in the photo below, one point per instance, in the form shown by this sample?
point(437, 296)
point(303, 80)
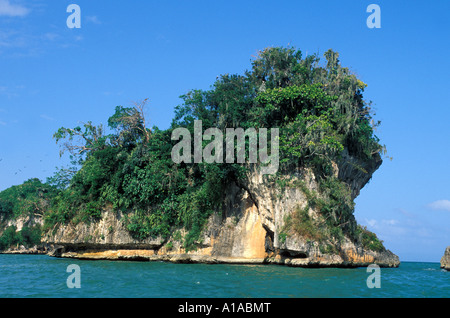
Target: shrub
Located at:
point(302, 224)
point(369, 239)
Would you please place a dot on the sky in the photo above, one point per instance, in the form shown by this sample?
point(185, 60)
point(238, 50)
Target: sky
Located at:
point(125, 51)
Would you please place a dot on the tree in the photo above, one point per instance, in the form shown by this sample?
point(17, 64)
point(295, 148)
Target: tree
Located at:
point(81, 141)
point(130, 124)
point(62, 176)
point(276, 67)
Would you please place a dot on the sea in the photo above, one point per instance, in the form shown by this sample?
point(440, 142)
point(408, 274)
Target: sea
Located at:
point(42, 276)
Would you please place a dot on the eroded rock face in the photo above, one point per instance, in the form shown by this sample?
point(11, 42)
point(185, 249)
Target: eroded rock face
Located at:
point(247, 230)
point(19, 224)
point(445, 260)
point(109, 233)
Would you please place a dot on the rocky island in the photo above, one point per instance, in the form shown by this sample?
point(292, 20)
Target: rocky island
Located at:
point(129, 200)
point(445, 260)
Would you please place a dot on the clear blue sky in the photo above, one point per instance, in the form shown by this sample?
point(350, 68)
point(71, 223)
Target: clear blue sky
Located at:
point(125, 51)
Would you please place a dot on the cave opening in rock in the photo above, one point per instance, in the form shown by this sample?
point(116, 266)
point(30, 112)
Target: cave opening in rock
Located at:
point(293, 254)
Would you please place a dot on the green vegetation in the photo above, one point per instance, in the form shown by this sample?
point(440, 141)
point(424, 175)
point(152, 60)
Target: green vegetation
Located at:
point(28, 237)
point(335, 218)
point(368, 239)
point(335, 208)
point(319, 109)
point(27, 199)
point(302, 224)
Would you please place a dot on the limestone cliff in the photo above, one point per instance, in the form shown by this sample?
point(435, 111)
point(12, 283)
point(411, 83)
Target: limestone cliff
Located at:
point(19, 224)
point(445, 260)
point(249, 229)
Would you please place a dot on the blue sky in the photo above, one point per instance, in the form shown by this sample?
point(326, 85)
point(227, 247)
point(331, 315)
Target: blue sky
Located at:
point(53, 76)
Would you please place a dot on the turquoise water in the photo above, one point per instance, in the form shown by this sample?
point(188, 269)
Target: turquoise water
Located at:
point(46, 277)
